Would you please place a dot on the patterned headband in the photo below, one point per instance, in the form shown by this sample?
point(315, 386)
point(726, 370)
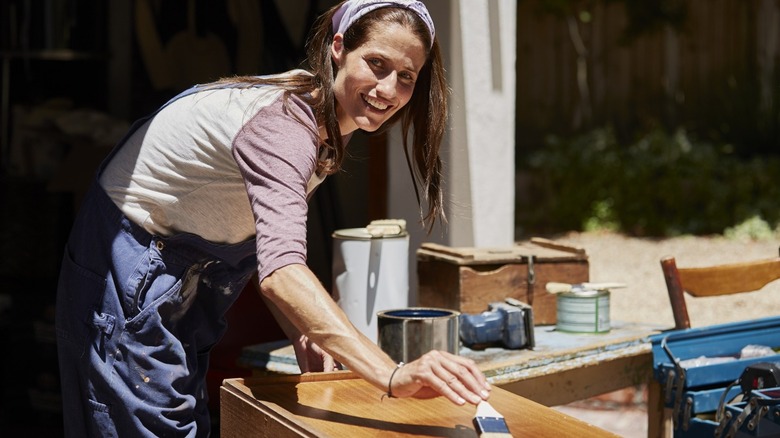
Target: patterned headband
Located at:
point(351, 10)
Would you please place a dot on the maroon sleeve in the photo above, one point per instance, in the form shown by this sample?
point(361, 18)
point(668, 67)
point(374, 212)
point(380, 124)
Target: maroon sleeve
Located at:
point(276, 152)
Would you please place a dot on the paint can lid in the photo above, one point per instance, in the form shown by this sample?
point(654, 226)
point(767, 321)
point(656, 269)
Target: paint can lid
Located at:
point(585, 293)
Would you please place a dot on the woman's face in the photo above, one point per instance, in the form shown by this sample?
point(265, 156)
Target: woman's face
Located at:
point(377, 79)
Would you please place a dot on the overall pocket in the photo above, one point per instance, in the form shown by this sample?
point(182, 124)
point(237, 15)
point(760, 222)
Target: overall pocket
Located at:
point(151, 282)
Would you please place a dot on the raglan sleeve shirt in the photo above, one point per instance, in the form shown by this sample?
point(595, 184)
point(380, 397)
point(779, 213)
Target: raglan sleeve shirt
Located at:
point(276, 152)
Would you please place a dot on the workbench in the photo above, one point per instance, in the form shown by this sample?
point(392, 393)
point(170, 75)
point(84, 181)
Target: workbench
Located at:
point(340, 404)
point(562, 367)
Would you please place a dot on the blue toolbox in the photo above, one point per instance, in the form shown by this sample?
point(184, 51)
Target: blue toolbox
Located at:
point(721, 380)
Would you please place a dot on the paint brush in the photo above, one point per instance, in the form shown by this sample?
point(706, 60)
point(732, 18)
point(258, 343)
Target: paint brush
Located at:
point(489, 423)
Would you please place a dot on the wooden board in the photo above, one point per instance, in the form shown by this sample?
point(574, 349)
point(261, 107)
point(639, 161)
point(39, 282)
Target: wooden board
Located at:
point(341, 405)
point(539, 248)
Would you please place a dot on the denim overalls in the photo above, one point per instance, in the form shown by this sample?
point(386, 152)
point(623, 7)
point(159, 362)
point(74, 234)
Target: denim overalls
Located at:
point(137, 315)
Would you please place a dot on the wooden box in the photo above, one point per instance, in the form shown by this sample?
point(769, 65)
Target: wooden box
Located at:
point(468, 279)
point(340, 405)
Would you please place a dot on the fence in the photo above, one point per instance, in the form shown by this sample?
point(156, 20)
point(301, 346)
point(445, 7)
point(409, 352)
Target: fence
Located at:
point(717, 68)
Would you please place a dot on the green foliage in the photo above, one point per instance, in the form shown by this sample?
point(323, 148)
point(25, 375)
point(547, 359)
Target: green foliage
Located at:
point(660, 185)
point(602, 217)
point(754, 228)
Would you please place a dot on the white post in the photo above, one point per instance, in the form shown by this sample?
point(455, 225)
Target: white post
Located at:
point(478, 39)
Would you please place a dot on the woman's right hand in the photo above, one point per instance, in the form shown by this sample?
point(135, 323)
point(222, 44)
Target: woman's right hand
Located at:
point(440, 373)
point(311, 358)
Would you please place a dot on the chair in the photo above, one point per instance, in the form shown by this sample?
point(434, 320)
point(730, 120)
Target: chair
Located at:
point(714, 280)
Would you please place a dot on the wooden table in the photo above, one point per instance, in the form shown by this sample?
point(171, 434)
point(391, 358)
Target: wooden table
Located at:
point(562, 367)
point(341, 405)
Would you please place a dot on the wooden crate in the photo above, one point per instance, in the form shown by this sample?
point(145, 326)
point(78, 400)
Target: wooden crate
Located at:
point(468, 279)
point(341, 405)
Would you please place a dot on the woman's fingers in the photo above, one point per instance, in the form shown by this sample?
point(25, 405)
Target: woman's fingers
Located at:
point(302, 353)
point(329, 363)
point(466, 371)
point(461, 380)
point(312, 358)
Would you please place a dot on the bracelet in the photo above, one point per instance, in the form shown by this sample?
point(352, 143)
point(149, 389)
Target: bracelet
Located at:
point(390, 383)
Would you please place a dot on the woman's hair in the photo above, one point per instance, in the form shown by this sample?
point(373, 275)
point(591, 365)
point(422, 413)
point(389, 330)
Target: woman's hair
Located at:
point(425, 114)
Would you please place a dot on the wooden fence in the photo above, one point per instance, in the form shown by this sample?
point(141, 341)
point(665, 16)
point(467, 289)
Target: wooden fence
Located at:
point(574, 73)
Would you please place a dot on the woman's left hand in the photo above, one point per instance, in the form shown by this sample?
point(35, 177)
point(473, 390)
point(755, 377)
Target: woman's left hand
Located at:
point(441, 373)
point(311, 358)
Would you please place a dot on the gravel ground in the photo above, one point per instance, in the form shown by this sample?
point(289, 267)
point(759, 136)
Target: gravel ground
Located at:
point(636, 262)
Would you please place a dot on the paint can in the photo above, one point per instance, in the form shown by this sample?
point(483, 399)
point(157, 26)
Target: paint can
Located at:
point(585, 311)
point(370, 274)
point(407, 334)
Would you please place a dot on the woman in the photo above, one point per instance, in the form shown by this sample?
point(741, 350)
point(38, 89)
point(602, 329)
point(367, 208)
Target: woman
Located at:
point(211, 189)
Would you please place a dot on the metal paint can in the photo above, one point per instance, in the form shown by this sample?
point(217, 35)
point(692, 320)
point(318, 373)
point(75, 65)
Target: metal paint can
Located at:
point(407, 334)
point(584, 311)
point(370, 274)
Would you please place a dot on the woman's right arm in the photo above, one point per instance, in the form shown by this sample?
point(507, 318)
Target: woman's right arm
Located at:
point(298, 294)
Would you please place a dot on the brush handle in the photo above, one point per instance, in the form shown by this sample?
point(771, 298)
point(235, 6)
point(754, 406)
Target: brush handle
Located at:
point(558, 288)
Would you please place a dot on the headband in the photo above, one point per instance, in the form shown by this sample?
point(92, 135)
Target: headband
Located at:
point(351, 10)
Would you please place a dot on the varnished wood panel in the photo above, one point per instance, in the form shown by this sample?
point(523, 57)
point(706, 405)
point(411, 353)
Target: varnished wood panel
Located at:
point(339, 405)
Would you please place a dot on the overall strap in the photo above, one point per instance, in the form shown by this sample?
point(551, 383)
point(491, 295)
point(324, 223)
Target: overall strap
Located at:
point(138, 123)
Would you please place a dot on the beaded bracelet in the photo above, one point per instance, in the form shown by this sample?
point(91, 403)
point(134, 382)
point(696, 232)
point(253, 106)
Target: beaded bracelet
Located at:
point(390, 383)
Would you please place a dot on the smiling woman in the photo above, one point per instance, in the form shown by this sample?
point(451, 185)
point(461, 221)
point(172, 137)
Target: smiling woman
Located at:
point(210, 191)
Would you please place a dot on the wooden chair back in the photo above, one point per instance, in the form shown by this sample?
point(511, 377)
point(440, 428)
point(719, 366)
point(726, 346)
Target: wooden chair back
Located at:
point(714, 280)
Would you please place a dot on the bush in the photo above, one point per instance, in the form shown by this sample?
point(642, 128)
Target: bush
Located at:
point(754, 228)
point(660, 185)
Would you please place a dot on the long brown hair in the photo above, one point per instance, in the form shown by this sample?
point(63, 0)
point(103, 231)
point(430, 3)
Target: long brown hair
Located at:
point(425, 114)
